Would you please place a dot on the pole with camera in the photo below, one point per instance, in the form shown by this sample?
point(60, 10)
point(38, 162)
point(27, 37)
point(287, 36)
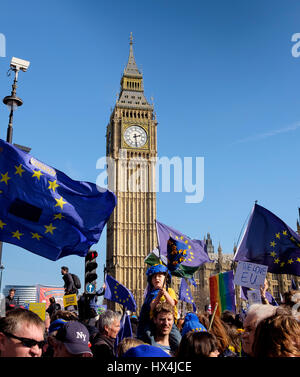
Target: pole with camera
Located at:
point(13, 102)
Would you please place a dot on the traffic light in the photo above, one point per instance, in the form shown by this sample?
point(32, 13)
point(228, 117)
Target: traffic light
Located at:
point(90, 276)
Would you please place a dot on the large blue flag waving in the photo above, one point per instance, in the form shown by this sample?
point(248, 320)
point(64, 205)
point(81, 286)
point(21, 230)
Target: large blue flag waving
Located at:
point(46, 212)
point(195, 255)
point(117, 292)
point(269, 241)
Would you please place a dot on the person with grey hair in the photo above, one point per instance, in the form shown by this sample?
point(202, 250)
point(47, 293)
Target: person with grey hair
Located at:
point(103, 344)
point(255, 314)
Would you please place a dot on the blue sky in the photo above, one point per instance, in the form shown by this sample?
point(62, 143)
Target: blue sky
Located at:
point(225, 87)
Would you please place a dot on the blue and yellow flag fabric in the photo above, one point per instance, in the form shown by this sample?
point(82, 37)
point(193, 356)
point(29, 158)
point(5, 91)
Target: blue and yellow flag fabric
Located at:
point(196, 253)
point(125, 329)
point(269, 241)
point(176, 254)
point(185, 294)
point(46, 212)
point(117, 292)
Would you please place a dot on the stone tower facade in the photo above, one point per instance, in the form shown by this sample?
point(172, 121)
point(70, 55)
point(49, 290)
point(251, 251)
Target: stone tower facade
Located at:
point(131, 155)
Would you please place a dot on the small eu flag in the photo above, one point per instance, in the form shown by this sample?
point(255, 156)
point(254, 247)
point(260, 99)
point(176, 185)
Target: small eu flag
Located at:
point(196, 253)
point(46, 212)
point(176, 254)
point(185, 294)
point(269, 241)
point(117, 292)
point(125, 329)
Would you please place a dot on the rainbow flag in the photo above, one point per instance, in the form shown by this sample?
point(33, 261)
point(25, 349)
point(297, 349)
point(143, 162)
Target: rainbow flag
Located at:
point(222, 291)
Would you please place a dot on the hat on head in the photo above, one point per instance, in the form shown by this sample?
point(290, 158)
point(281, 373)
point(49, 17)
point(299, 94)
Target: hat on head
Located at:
point(75, 336)
point(156, 269)
point(145, 350)
point(56, 325)
point(192, 323)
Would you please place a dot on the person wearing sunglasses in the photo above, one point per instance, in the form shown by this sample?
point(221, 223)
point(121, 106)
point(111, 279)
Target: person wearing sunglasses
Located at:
point(21, 334)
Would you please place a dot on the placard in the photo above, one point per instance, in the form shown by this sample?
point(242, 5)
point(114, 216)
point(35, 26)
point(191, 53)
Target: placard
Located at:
point(254, 297)
point(250, 275)
point(70, 300)
point(38, 308)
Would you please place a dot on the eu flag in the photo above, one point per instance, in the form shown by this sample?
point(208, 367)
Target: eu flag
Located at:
point(196, 253)
point(269, 241)
point(125, 329)
point(185, 294)
point(117, 292)
point(46, 212)
point(176, 254)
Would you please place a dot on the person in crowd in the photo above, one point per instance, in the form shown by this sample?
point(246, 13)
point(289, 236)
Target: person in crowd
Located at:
point(255, 314)
point(197, 344)
point(103, 343)
point(64, 314)
point(277, 336)
point(69, 286)
point(94, 300)
point(10, 302)
point(21, 334)
point(134, 324)
point(180, 322)
point(47, 323)
point(55, 325)
point(71, 340)
point(163, 319)
point(126, 344)
point(192, 323)
point(266, 296)
point(145, 350)
point(68, 281)
point(158, 278)
point(53, 306)
point(219, 330)
point(291, 300)
point(233, 326)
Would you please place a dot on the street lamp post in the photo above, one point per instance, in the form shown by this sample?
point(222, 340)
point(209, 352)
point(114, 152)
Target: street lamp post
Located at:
point(13, 102)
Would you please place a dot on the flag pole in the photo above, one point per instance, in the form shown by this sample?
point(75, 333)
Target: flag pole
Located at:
point(213, 316)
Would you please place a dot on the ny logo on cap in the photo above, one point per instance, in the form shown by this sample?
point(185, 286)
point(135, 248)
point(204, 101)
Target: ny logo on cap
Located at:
point(80, 335)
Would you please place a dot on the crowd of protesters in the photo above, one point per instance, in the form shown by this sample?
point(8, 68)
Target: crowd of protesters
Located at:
point(261, 331)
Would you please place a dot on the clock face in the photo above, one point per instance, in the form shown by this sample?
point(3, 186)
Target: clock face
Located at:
point(135, 136)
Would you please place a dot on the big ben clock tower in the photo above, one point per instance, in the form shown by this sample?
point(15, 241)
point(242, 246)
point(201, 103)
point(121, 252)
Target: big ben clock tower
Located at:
point(131, 150)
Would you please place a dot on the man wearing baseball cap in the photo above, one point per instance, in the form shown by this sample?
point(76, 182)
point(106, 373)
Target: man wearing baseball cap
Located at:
point(72, 340)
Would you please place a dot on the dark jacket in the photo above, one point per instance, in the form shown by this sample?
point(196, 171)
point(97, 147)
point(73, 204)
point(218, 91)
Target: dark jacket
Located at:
point(69, 284)
point(103, 347)
point(10, 303)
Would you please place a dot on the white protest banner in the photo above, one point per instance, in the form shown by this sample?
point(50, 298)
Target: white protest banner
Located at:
point(250, 275)
point(254, 297)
